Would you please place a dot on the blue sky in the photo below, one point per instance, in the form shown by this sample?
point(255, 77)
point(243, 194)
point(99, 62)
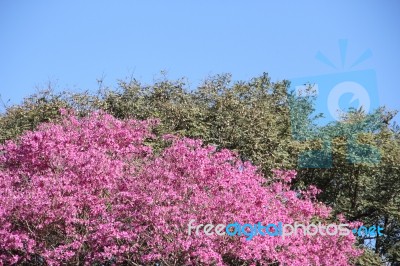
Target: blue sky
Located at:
point(74, 43)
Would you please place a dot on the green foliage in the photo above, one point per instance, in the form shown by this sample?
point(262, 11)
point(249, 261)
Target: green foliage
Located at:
point(364, 180)
point(38, 108)
point(369, 258)
point(265, 124)
point(44, 106)
point(248, 117)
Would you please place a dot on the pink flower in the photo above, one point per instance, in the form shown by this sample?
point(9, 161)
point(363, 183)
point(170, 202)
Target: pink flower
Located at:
point(90, 188)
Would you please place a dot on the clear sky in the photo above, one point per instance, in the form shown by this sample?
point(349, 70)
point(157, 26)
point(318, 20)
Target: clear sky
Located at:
point(74, 43)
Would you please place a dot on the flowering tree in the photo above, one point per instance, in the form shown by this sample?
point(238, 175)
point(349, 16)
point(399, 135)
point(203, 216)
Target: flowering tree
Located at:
point(90, 190)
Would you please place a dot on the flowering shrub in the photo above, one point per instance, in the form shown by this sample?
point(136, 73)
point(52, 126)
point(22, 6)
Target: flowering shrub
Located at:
point(90, 190)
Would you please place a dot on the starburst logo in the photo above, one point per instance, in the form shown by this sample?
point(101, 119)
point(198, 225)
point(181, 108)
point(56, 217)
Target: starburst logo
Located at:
point(335, 94)
point(358, 93)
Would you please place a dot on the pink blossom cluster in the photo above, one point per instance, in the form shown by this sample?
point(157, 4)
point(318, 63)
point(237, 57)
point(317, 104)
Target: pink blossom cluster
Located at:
point(91, 190)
